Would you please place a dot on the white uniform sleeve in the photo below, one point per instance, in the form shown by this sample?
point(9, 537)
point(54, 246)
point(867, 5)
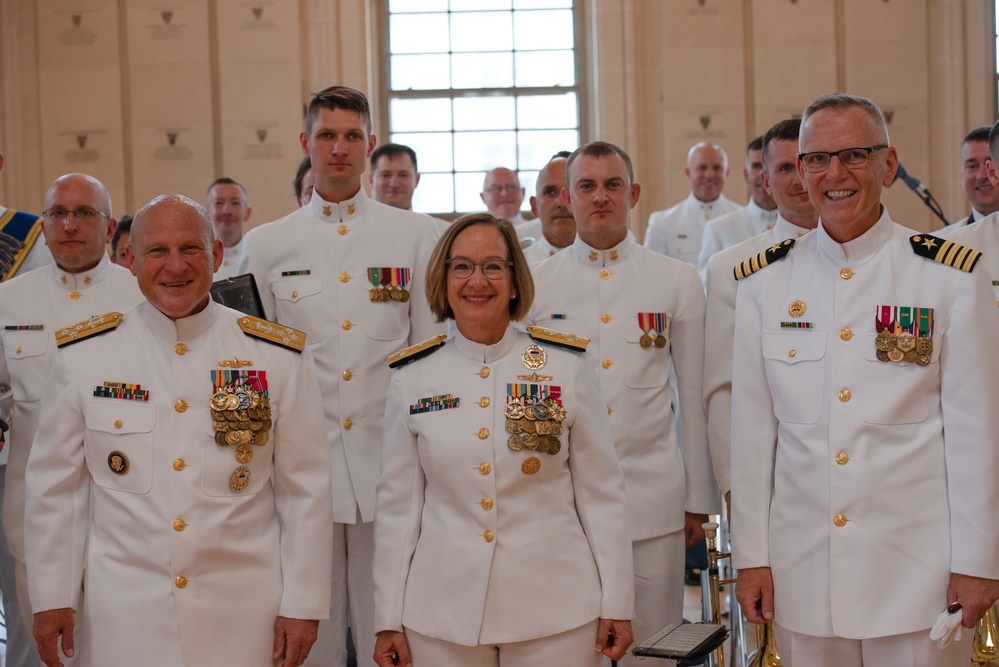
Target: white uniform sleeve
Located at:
point(719, 338)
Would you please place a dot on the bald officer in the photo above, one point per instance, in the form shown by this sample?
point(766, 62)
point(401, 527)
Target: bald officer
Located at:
point(180, 473)
point(77, 223)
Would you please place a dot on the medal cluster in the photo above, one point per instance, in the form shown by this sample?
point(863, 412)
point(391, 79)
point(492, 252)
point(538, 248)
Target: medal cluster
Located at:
point(652, 325)
point(241, 417)
point(379, 294)
point(905, 334)
point(388, 284)
point(534, 424)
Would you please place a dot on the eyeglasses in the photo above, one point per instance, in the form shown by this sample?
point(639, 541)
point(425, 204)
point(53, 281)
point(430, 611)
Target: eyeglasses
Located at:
point(496, 189)
point(493, 269)
point(819, 161)
point(82, 214)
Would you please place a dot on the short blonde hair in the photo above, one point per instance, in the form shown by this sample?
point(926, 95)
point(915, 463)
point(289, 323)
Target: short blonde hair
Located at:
point(436, 280)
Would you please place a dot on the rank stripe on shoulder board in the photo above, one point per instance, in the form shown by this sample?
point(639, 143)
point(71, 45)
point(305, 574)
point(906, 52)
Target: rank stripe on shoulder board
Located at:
point(763, 259)
point(944, 251)
point(286, 337)
point(559, 338)
point(87, 328)
point(408, 355)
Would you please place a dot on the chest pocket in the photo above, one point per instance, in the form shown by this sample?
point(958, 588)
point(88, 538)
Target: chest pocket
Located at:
point(646, 367)
point(795, 369)
point(220, 464)
point(897, 392)
point(25, 352)
point(298, 303)
point(683, 246)
point(119, 443)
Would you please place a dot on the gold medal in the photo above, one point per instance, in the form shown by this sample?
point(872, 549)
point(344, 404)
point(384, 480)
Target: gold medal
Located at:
point(375, 295)
point(219, 401)
point(557, 412)
point(660, 341)
point(515, 443)
point(543, 427)
point(554, 446)
point(395, 295)
point(514, 410)
point(911, 356)
point(883, 356)
point(240, 478)
point(885, 340)
point(645, 340)
point(535, 357)
point(244, 454)
point(797, 308)
point(541, 446)
point(404, 295)
point(924, 345)
point(261, 438)
point(905, 341)
point(923, 359)
point(530, 465)
point(220, 425)
point(530, 441)
point(513, 426)
point(556, 430)
point(231, 402)
point(527, 426)
point(896, 355)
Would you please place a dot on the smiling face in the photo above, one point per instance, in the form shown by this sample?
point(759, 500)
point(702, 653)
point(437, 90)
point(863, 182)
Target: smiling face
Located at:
point(174, 255)
point(707, 170)
point(848, 200)
point(481, 305)
point(78, 245)
point(393, 181)
point(229, 210)
point(502, 194)
point(984, 197)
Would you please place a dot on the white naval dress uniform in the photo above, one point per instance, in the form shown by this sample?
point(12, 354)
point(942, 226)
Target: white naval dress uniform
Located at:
point(863, 484)
point(230, 261)
point(179, 568)
point(731, 228)
point(600, 294)
point(719, 338)
point(677, 231)
point(527, 228)
point(967, 221)
point(32, 306)
point(312, 271)
point(472, 544)
point(540, 250)
point(984, 236)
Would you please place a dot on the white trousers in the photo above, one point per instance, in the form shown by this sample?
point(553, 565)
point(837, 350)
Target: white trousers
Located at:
point(909, 650)
point(352, 599)
point(20, 642)
point(573, 647)
point(659, 569)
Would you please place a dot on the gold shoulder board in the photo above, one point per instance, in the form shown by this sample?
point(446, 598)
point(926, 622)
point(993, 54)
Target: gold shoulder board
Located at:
point(408, 355)
point(750, 266)
point(944, 251)
point(272, 332)
point(87, 328)
point(559, 338)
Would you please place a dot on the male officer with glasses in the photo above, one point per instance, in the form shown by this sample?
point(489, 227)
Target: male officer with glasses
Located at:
point(77, 223)
point(503, 195)
point(863, 431)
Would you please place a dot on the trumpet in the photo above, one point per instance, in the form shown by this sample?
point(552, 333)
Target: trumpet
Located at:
point(766, 653)
point(984, 652)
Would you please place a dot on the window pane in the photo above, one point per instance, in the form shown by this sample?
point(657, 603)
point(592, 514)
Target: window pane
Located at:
point(543, 30)
point(545, 68)
point(547, 111)
point(411, 33)
point(420, 72)
point(478, 5)
point(481, 31)
point(402, 6)
point(541, 4)
point(434, 194)
point(484, 150)
point(482, 70)
point(420, 115)
point(433, 149)
point(529, 181)
point(484, 113)
point(537, 147)
point(468, 191)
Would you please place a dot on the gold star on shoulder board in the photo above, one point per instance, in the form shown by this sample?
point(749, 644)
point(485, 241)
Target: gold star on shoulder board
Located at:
point(775, 247)
point(930, 243)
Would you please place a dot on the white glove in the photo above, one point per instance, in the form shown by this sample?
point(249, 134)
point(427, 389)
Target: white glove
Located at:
point(948, 626)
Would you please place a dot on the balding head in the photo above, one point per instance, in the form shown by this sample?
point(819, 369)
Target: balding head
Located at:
point(174, 253)
point(502, 193)
point(707, 170)
point(78, 222)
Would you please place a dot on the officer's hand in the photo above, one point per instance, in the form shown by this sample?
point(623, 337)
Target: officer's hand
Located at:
point(693, 528)
point(293, 639)
point(391, 649)
point(755, 592)
point(49, 625)
point(976, 595)
point(614, 638)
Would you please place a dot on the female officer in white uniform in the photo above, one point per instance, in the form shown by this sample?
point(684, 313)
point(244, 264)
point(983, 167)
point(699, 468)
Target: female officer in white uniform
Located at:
point(501, 534)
